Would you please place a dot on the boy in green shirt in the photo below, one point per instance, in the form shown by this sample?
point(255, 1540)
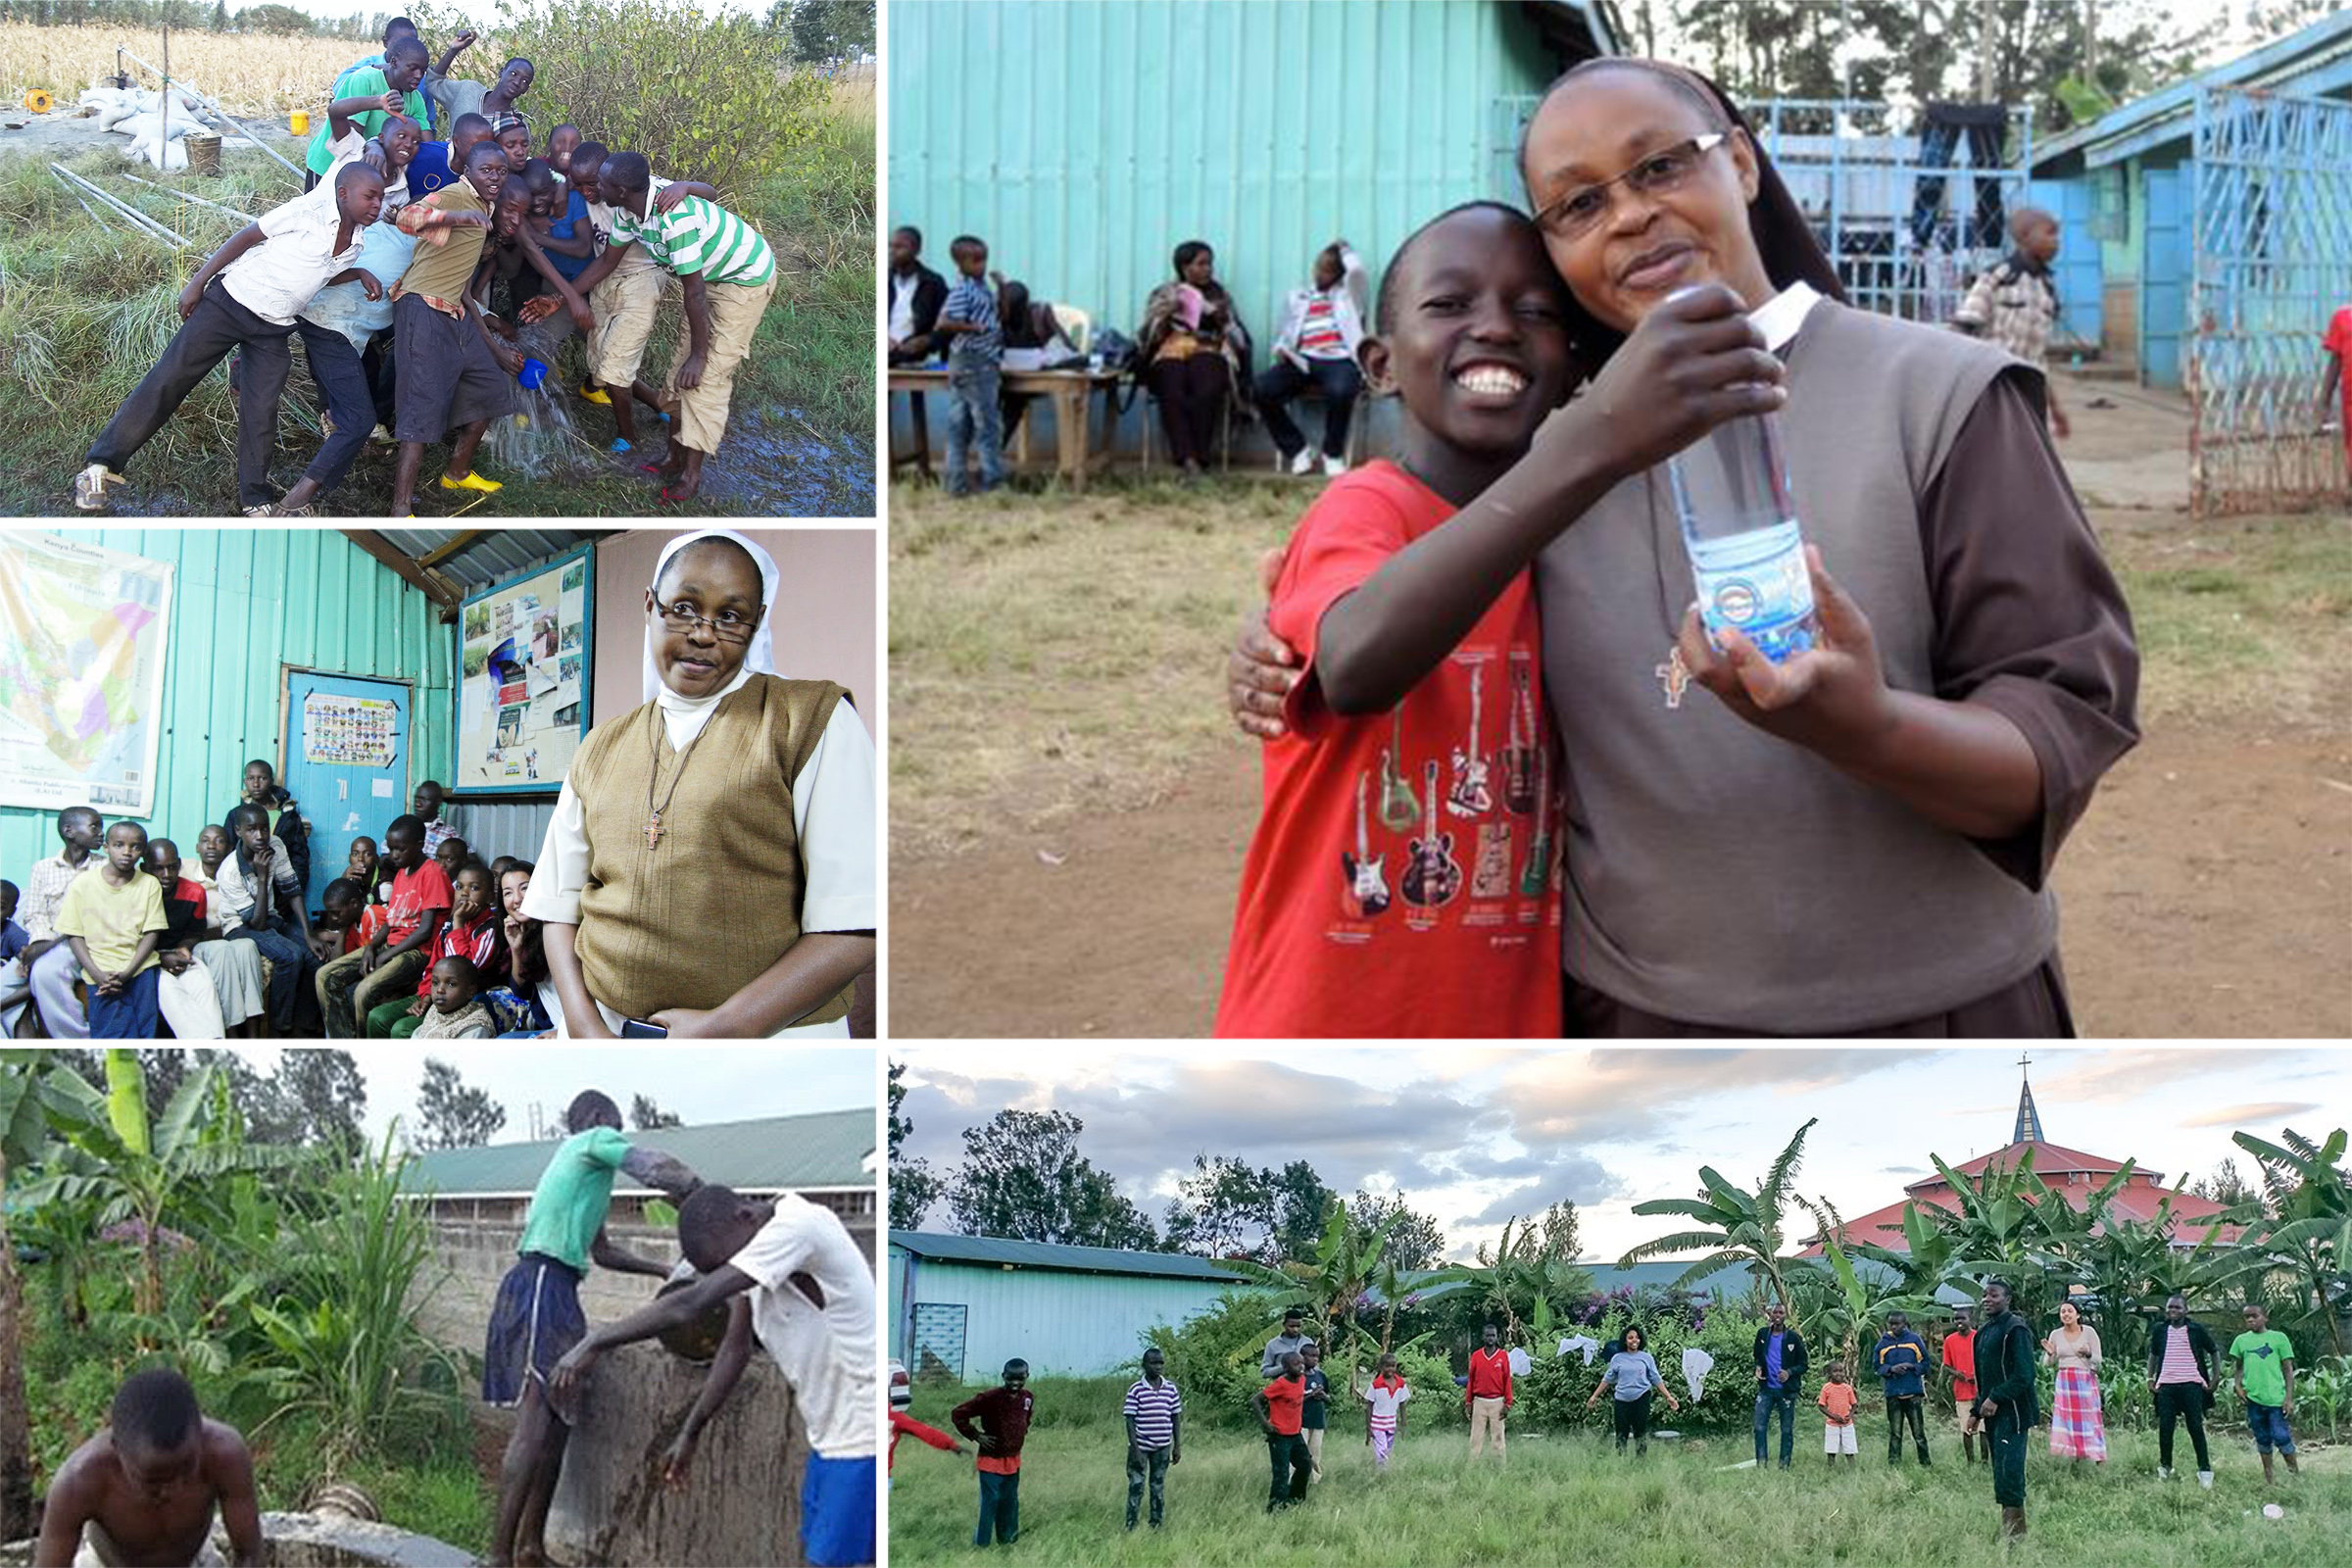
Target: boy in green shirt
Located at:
point(2266, 1381)
point(403, 70)
point(537, 1318)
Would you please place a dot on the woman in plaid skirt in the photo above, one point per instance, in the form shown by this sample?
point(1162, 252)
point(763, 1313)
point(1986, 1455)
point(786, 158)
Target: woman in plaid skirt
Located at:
point(2078, 1429)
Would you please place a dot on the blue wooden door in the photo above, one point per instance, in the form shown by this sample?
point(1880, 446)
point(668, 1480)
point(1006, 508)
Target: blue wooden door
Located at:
point(2074, 203)
point(2164, 272)
point(347, 762)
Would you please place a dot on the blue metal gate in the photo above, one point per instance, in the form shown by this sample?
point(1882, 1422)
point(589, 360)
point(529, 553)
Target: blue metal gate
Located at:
point(2163, 274)
point(2273, 234)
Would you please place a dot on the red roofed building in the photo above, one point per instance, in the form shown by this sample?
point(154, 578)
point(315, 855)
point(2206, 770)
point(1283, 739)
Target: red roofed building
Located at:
point(2069, 1172)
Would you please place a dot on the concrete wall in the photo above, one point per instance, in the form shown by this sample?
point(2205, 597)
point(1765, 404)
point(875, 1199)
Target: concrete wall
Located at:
point(742, 1503)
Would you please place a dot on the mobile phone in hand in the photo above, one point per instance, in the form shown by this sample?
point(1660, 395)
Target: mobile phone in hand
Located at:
point(639, 1029)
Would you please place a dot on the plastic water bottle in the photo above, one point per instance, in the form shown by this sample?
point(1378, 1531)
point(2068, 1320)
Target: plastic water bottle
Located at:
point(1748, 555)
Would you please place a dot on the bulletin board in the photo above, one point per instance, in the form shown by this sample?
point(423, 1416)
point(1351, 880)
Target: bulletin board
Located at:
point(526, 648)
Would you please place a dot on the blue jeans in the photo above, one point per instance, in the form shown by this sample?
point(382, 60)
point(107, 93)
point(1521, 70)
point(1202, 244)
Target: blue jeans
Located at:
point(292, 967)
point(1338, 381)
point(130, 1014)
point(1784, 1397)
point(974, 420)
point(1000, 1507)
point(2268, 1422)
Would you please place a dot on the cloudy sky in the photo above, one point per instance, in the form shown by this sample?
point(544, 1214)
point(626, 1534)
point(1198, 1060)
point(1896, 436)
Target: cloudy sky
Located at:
point(717, 1083)
point(1474, 1137)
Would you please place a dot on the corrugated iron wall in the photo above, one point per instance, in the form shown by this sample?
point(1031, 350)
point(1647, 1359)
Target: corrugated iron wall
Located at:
point(244, 604)
point(1084, 142)
point(1074, 1325)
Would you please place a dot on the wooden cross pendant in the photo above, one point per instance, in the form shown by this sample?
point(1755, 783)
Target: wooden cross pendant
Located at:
point(1675, 677)
point(653, 831)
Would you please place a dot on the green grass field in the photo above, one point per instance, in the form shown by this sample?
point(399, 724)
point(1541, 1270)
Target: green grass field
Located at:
point(1571, 1500)
point(84, 311)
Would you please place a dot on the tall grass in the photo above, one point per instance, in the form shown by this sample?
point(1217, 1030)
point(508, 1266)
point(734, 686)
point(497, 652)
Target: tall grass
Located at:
point(1570, 1500)
point(250, 73)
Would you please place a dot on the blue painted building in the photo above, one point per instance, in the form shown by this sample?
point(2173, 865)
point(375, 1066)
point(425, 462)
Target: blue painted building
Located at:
point(960, 1306)
point(1084, 142)
point(2125, 190)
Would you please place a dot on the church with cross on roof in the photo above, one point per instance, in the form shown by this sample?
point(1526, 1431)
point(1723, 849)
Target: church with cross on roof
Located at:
point(2070, 1173)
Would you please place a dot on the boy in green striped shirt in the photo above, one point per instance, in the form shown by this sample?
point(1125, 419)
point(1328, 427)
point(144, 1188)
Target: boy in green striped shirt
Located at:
point(727, 274)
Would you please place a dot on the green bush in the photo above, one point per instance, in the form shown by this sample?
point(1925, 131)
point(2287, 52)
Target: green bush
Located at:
point(1215, 1356)
point(709, 97)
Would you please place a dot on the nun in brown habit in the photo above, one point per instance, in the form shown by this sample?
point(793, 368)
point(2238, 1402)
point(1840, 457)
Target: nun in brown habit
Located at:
point(1857, 840)
point(710, 869)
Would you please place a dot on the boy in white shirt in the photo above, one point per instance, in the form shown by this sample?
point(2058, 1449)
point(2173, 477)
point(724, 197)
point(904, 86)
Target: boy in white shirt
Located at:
point(796, 1281)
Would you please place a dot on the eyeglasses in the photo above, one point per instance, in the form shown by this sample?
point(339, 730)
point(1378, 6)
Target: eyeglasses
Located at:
point(727, 627)
point(1579, 211)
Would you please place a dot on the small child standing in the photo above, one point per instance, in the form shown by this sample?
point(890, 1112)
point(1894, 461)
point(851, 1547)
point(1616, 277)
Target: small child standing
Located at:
point(114, 920)
point(2014, 303)
point(1155, 1413)
point(1003, 1415)
point(1384, 1410)
point(1314, 1413)
point(457, 1012)
point(1836, 1401)
point(975, 361)
point(2266, 1381)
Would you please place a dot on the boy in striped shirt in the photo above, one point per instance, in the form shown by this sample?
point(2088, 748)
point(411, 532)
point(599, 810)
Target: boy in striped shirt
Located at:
point(1383, 1405)
point(1155, 1415)
point(727, 274)
point(967, 321)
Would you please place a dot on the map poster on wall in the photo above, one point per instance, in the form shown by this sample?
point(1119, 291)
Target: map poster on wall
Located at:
point(82, 634)
point(357, 731)
point(525, 648)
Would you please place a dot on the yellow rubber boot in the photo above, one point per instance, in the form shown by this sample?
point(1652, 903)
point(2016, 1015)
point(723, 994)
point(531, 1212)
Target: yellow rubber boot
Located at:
point(471, 481)
point(590, 392)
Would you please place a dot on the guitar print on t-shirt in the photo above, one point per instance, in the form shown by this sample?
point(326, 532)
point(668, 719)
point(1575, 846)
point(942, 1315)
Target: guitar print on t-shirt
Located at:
point(1432, 876)
point(1469, 796)
point(1519, 752)
point(1365, 890)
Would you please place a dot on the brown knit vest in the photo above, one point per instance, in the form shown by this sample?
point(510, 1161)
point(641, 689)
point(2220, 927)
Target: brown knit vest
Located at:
point(694, 920)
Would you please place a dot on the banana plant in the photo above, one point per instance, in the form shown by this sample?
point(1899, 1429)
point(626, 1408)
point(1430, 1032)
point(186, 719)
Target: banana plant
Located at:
point(1735, 1226)
point(1345, 1264)
point(1836, 1303)
point(23, 1134)
point(2309, 1230)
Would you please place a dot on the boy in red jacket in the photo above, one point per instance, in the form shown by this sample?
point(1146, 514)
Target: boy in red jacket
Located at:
point(1003, 1415)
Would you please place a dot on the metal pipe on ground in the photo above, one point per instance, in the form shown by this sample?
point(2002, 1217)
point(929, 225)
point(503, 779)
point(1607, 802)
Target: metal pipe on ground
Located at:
point(181, 195)
point(145, 223)
point(213, 104)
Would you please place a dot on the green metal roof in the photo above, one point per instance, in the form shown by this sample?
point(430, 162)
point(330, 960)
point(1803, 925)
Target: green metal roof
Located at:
point(773, 1154)
point(1000, 1252)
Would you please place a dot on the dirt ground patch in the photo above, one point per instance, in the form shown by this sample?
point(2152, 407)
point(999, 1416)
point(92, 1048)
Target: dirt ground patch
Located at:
point(1088, 796)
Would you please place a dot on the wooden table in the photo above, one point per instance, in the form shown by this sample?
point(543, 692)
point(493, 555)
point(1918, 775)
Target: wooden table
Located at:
point(1071, 391)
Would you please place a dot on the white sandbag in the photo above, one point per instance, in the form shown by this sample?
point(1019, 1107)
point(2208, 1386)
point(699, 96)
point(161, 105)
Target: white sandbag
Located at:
point(121, 101)
point(167, 156)
point(148, 128)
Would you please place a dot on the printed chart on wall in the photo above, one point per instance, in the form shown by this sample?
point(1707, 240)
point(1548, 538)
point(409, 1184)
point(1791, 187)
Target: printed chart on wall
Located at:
point(522, 690)
point(82, 634)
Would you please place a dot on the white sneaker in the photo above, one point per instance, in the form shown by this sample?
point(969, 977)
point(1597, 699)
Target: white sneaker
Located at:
point(2164, 1472)
point(2205, 1479)
point(1302, 463)
point(1333, 467)
point(89, 487)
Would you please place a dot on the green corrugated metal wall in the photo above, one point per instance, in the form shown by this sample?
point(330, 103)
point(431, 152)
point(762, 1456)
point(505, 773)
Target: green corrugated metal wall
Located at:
point(1084, 142)
point(243, 602)
point(1074, 1325)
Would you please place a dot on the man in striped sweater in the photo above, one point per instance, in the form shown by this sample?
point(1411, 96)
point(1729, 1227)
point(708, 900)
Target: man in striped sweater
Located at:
point(727, 274)
point(1154, 1418)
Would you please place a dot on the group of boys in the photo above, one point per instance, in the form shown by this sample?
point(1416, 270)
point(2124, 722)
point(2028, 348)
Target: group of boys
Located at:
point(789, 1275)
point(406, 243)
point(1292, 1411)
point(231, 940)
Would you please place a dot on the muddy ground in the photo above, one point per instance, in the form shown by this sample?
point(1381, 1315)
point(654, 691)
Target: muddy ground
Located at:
point(2204, 894)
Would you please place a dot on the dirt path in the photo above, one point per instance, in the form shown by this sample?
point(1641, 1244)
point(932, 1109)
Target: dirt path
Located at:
point(2174, 926)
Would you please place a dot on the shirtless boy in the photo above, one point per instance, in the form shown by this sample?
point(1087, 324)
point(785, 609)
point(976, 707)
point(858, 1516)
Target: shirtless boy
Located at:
point(144, 1489)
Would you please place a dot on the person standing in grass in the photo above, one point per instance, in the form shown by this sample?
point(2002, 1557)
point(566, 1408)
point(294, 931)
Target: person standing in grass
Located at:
point(1155, 1415)
point(1902, 1359)
point(1779, 1354)
point(2008, 1406)
point(1487, 1395)
point(1315, 1416)
point(1632, 1378)
point(405, 61)
point(1280, 1407)
point(2182, 1369)
point(451, 375)
point(1291, 1338)
point(1384, 1410)
point(1837, 1401)
point(1960, 1365)
point(2078, 1427)
point(2266, 1381)
point(997, 1420)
